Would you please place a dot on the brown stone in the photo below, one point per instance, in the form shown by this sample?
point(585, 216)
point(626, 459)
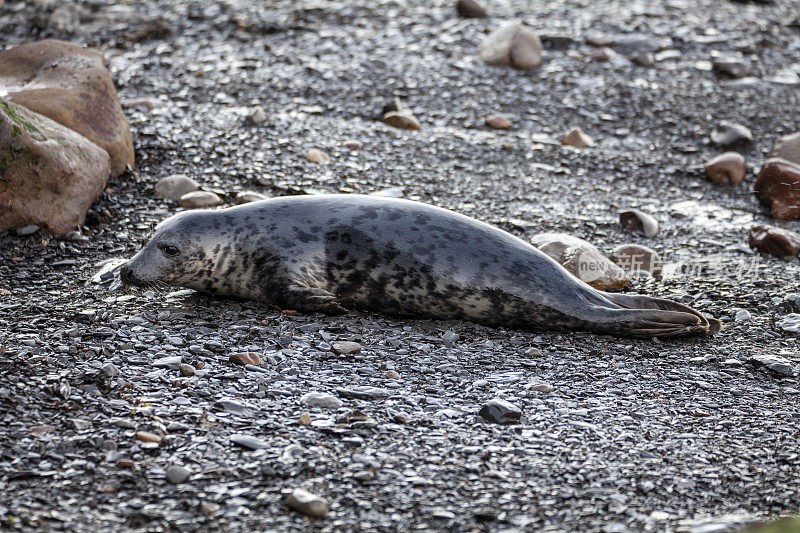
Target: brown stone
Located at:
point(582, 259)
point(245, 358)
point(146, 436)
point(470, 9)
point(639, 222)
point(49, 175)
point(512, 44)
point(499, 122)
point(729, 167)
point(635, 257)
point(70, 85)
point(774, 240)
point(788, 148)
point(576, 138)
point(778, 186)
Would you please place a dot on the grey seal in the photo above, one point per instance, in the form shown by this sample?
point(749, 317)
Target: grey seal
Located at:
point(329, 253)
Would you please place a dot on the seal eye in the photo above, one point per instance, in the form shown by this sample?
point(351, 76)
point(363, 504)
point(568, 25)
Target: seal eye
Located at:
point(169, 250)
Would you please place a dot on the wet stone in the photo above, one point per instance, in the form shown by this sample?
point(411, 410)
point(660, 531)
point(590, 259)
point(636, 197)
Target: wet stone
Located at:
point(186, 370)
point(249, 442)
point(233, 407)
point(321, 399)
point(199, 200)
point(470, 9)
point(177, 474)
point(147, 436)
point(364, 393)
point(775, 241)
point(778, 186)
point(245, 197)
point(346, 347)
point(790, 323)
point(498, 411)
point(639, 222)
point(174, 186)
point(172, 362)
point(775, 363)
point(728, 133)
point(308, 503)
point(729, 167)
point(245, 358)
point(110, 370)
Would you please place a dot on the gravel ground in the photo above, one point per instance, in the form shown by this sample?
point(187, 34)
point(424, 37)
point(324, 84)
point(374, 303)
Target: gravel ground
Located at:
point(616, 434)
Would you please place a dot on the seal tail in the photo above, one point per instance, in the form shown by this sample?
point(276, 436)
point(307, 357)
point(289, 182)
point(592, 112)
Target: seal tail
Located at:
point(645, 316)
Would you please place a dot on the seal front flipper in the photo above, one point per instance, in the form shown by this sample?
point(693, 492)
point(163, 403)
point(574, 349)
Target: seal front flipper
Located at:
point(311, 300)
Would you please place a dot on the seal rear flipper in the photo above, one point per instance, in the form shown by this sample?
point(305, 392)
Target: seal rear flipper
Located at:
point(658, 317)
point(311, 300)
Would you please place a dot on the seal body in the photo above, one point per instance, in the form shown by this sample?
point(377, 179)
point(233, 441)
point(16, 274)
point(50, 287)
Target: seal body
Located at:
point(328, 253)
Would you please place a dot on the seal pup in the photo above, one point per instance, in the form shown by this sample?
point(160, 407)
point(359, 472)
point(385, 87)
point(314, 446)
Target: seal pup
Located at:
point(329, 253)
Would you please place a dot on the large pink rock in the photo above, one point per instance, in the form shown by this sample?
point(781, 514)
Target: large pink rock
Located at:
point(49, 175)
point(778, 186)
point(70, 85)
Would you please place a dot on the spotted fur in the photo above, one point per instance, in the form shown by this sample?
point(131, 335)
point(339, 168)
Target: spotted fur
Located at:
point(329, 253)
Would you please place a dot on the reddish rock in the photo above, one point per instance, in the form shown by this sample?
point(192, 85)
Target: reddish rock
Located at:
point(147, 436)
point(778, 186)
point(726, 168)
point(245, 358)
point(788, 148)
point(70, 85)
point(499, 122)
point(774, 240)
point(49, 175)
